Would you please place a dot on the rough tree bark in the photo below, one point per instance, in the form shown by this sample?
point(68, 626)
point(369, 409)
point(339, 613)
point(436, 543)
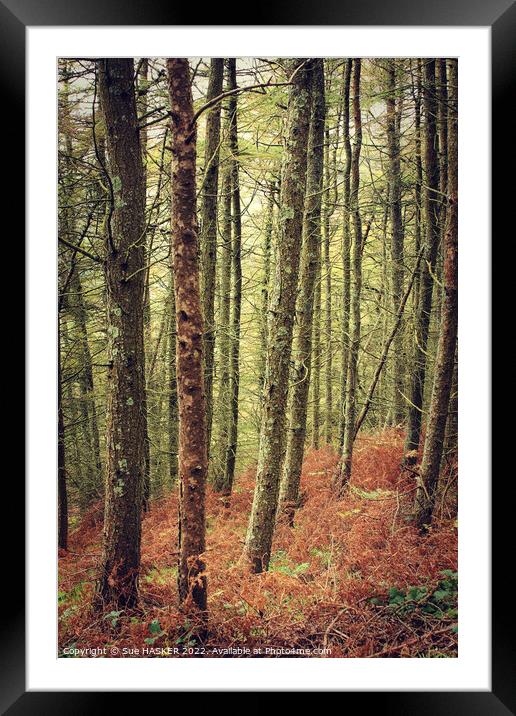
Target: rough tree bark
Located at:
point(125, 286)
point(208, 236)
point(282, 309)
point(349, 430)
point(393, 144)
point(141, 106)
point(267, 252)
point(218, 459)
point(417, 91)
point(172, 387)
point(62, 494)
point(328, 364)
point(234, 376)
point(193, 456)
point(316, 359)
point(305, 300)
point(346, 254)
point(426, 281)
point(432, 453)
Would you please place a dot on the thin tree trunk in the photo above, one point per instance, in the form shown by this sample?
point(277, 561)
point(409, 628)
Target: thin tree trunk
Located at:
point(328, 398)
point(305, 300)
point(428, 265)
point(346, 254)
point(349, 432)
point(159, 387)
point(193, 454)
point(417, 92)
point(442, 133)
point(316, 359)
point(87, 388)
point(393, 142)
point(218, 461)
point(62, 494)
point(141, 105)
point(432, 454)
point(452, 424)
point(267, 250)
point(234, 378)
point(208, 236)
point(282, 306)
point(125, 287)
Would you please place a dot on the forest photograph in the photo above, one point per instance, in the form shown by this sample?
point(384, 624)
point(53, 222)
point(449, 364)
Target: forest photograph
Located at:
point(257, 357)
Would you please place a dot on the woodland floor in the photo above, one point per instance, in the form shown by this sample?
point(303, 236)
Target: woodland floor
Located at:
point(353, 577)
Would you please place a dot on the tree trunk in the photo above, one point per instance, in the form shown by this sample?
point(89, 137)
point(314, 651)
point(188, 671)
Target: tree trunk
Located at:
point(234, 378)
point(193, 455)
point(432, 454)
point(141, 105)
point(349, 431)
point(346, 255)
point(208, 237)
point(125, 287)
point(172, 387)
point(218, 460)
point(62, 495)
point(393, 143)
point(266, 280)
point(305, 299)
point(426, 281)
point(87, 388)
point(328, 398)
point(316, 359)
point(282, 308)
point(417, 93)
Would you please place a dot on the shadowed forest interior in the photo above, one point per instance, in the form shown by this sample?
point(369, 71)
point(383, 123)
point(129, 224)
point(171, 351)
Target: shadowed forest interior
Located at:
point(258, 391)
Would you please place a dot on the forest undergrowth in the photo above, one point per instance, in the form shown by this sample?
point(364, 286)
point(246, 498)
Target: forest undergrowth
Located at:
point(352, 578)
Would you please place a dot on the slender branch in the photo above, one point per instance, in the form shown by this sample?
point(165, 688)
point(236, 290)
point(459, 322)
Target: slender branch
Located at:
point(387, 345)
point(74, 247)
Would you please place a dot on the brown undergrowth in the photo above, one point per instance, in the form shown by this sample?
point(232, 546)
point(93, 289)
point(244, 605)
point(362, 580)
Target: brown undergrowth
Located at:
point(353, 578)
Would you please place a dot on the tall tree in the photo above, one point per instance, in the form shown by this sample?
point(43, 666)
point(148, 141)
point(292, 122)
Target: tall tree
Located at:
point(426, 280)
point(393, 145)
point(438, 412)
point(62, 493)
point(326, 262)
point(346, 251)
point(316, 359)
point(125, 286)
point(193, 455)
point(142, 77)
point(88, 410)
point(236, 265)
point(267, 254)
point(349, 430)
point(417, 91)
point(282, 307)
point(305, 299)
point(208, 237)
point(219, 455)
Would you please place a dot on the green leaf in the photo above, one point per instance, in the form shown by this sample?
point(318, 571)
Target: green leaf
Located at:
point(154, 627)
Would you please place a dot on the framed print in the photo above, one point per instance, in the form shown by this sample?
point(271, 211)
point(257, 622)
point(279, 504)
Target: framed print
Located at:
point(258, 290)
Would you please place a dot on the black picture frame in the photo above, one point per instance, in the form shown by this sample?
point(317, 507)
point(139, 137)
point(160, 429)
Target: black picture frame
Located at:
point(500, 15)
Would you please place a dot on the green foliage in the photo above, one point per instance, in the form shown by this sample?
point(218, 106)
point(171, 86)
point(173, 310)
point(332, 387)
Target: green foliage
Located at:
point(440, 602)
point(155, 630)
point(325, 555)
point(280, 563)
point(161, 576)
point(113, 617)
